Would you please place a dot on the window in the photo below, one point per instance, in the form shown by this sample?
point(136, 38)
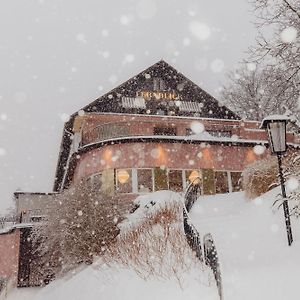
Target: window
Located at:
point(129, 102)
point(218, 133)
point(191, 176)
point(97, 181)
point(236, 179)
point(221, 182)
point(94, 182)
point(165, 131)
point(160, 179)
point(107, 131)
point(161, 111)
point(103, 182)
point(124, 181)
point(187, 106)
point(175, 180)
point(144, 180)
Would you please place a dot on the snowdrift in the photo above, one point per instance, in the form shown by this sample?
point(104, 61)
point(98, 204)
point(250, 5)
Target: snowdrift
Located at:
point(151, 260)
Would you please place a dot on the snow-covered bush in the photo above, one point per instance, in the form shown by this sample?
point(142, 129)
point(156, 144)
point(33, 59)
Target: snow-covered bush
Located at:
point(81, 225)
point(152, 240)
point(260, 176)
point(292, 180)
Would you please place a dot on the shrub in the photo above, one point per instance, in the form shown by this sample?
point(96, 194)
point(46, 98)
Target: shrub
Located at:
point(81, 225)
point(155, 244)
point(260, 176)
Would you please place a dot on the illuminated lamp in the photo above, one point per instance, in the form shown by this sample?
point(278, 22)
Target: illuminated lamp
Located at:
point(194, 177)
point(123, 176)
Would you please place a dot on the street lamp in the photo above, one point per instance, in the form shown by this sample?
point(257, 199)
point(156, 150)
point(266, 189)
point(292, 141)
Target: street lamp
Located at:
point(275, 126)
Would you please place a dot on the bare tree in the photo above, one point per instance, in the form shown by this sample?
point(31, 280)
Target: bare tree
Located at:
point(282, 49)
point(253, 92)
point(81, 225)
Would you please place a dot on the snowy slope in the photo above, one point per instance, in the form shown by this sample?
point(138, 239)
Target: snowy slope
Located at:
point(116, 282)
point(119, 284)
point(251, 241)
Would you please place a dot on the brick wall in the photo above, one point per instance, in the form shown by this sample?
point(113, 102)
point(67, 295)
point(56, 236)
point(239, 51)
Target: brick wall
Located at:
point(9, 254)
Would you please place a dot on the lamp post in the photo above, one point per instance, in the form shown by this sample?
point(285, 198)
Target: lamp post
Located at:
point(275, 126)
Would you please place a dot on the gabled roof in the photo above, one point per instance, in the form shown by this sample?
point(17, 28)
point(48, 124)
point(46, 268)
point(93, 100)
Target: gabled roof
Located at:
point(173, 81)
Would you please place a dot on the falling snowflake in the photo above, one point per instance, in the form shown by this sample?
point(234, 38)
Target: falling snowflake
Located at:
point(274, 228)
point(154, 153)
point(81, 113)
point(3, 117)
point(217, 65)
point(251, 67)
point(258, 201)
point(80, 37)
point(112, 79)
point(191, 162)
point(129, 58)
point(200, 154)
point(125, 19)
point(65, 117)
point(289, 34)
point(200, 30)
point(2, 151)
point(146, 9)
point(234, 137)
point(105, 32)
point(105, 54)
point(292, 184)
point(186, 42)
point(197, 127)
point(259, 149)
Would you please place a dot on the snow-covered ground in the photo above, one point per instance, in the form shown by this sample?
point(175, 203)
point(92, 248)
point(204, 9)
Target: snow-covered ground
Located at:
point(251, 241)
point(256, 262)
point(118, 283)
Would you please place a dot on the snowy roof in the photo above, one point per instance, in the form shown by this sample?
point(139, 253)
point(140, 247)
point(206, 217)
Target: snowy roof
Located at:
point(273, 118)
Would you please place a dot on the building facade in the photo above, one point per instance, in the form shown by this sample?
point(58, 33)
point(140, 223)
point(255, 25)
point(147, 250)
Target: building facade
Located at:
point(157, 131)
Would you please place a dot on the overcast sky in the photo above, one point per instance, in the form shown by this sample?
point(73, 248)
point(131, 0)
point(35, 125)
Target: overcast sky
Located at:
point(56, 56)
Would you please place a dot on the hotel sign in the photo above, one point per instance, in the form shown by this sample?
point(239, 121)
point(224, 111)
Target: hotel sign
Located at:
point(147, 95)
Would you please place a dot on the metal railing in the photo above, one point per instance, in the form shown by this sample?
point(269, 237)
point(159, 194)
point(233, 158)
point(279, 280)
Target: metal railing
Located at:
point(209, 254)
point(111, 130)
point(9, 221)
point(211, 260)
point(26, 216)
point(6, 284)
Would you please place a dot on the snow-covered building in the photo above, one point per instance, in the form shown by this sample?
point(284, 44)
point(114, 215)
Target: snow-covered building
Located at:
point(156, 131)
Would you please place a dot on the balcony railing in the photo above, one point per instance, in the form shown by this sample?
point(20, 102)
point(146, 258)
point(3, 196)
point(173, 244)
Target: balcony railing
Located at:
point(142, 128)
point(25, 217)
point(113, 130)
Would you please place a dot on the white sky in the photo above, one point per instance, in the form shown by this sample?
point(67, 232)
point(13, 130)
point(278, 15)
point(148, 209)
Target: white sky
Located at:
point(56, 56)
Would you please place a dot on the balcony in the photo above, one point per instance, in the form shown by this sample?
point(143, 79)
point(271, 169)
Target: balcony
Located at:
point(113, 130)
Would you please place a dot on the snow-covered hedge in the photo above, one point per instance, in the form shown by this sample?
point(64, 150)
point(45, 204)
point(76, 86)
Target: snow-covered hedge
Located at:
point(152, 240)
point(260, 176)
